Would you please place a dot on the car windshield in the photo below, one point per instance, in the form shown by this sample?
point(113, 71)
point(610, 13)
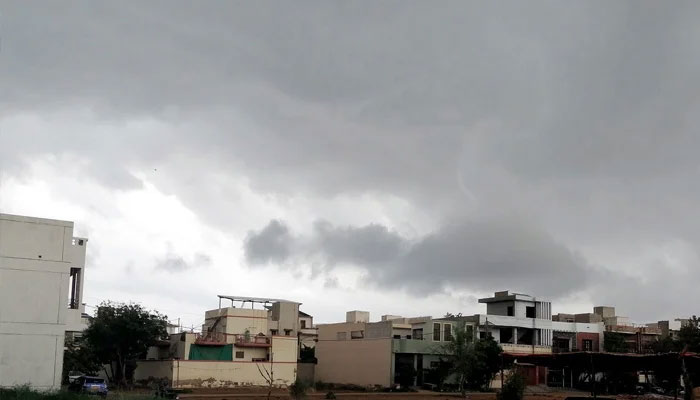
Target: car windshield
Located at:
point(94, 380)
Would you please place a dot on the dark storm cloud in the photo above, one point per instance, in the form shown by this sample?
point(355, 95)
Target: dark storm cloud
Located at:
point(270, 244)
point(176, 263)
point(584, 117)
point(474, 255)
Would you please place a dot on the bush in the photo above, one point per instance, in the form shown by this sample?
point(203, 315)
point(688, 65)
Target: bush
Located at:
point(513, 388)
point(297, 390)
point(330, 395)
point(25, 393)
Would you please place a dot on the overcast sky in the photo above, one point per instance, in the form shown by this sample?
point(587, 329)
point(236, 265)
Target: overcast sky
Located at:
point(397, 157)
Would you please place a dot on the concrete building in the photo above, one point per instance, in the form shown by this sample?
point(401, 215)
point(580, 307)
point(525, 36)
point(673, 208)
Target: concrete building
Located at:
point(669, 328)
point(308, 333)
point(639, 337)
point(41, 287)
point(367, 353)
point(236, 344)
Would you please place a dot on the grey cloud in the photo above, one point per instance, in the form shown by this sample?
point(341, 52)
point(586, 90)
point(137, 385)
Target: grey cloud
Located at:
point(270, 244)
point(476, 255)
point(176, 263)
point(583, 117)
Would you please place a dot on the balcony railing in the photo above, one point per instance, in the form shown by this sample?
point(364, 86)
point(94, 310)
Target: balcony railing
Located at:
point(525, 349)
point(221, 338)
point(252, 341)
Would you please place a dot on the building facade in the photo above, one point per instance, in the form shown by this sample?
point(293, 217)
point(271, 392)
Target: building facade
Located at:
point(238, 345)
point(382, 353)
point(41, 284)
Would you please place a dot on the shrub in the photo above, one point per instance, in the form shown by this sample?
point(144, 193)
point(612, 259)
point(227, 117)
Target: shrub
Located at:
point(297, 390)
point(513, 388)
point(330, 395)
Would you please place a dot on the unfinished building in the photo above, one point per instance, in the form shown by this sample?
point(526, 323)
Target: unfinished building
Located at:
point(238, 345)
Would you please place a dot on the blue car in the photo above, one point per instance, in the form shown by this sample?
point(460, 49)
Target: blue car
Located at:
point(89, 385)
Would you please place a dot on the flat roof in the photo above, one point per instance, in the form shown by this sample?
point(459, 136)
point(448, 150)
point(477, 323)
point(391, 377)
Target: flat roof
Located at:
point(256, 299)
point(36, 220)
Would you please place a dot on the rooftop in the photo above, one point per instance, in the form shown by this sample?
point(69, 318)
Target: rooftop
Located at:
point(261, 300)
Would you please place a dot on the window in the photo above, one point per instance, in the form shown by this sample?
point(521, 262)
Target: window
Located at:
point(408, 336)
point(74, 282)
point(287, 332)
point(397, 336)
point(469, 329)
point(357, 334)
point(341, 336)
point(530, 312)
point(587, 345)
point(510, 311)
point(240, 354)
point(418, 334)
point(448, 332)
point(484, 335)
point(302, 323)
point(436, 332)
point(273, 332)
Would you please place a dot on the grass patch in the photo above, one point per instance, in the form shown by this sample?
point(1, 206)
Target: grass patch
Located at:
point(25, 393)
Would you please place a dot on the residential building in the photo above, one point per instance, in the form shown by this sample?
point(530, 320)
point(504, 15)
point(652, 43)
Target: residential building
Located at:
point(669, 328)
point(308, 333)
point(366, 353)
point(520, 323)
point(41, 290)
point(639, 337)
point(238, 345)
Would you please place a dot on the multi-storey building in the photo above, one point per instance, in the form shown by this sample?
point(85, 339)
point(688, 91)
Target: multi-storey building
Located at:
point(238, 345)
point(41, 287)
point(366, 353)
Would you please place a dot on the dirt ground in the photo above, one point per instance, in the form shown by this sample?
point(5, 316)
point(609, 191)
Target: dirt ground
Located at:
point(259, 393)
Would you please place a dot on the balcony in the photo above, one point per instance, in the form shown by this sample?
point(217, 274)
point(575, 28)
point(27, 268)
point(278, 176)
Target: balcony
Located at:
point(222, 339)
point(210, 339)
point(525, 349)
point(252, 341)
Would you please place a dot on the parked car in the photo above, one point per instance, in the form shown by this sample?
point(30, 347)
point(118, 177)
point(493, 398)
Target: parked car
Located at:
point(89, 385)
point(73, 375)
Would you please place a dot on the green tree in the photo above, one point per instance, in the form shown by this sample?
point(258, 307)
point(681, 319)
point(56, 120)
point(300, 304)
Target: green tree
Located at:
point(689, 335)
point(513, 388)
point(79, 356)
point(120, 334)
point(474, 362)
point(615, 343)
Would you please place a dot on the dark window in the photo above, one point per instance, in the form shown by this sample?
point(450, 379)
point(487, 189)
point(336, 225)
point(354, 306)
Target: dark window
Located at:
point(357, 334)
point(287, 332)
point(510, 311)
point(436, 332)
point(397, 336)
point(273, 332)
point(74, 293)
point(303, 324)
point(448, 332)
point(587, 345)
point(408, 336)
point(240, 354)
point(418, 334)
point(530, 312)
point(484, 335)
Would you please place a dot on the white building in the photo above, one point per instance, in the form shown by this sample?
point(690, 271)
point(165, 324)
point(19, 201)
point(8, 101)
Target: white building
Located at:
point(41, 286)
point(520, 323)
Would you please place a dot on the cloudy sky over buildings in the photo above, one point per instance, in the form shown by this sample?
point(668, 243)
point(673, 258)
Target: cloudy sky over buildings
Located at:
point(398, 157)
